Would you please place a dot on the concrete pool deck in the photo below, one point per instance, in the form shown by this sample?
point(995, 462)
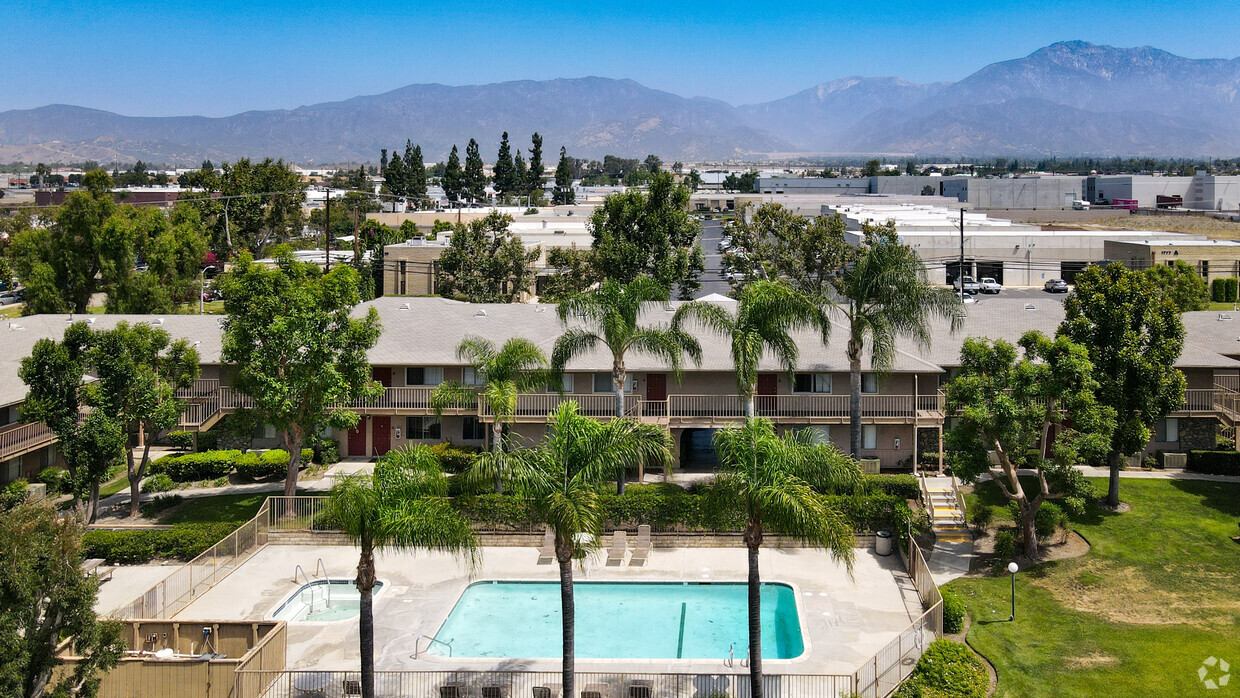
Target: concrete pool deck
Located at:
point(844, 620)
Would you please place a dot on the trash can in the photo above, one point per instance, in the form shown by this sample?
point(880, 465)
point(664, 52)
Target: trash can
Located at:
point(882, 543)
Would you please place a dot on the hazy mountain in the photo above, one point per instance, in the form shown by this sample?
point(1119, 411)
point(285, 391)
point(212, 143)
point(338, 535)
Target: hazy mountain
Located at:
point(1068, 98)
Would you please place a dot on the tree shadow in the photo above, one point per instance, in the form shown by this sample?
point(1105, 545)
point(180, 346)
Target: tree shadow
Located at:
point(1223, 497)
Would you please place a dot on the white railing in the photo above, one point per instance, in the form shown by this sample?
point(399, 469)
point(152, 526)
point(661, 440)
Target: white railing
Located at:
point(406, 398)
point(201, 388)
point(196, 414)
point(539, 405)
point(24, 437)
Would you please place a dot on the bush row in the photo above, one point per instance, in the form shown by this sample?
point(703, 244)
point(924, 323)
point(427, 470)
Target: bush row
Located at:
point(182, 542)
point(209, 465)
point(1224, 290)
point(946, 670)
point(1214, 462)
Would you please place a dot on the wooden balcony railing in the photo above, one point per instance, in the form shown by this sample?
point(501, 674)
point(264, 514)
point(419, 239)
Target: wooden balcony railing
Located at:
point(407, 398)
point(202, 389)
point(20, 438)
point(539, 405)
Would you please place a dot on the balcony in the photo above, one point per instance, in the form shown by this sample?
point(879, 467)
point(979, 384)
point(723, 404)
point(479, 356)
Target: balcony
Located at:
point(534, 407)
point(1219, 402)
point(406, 400)
point(800, 408)
point(17, 439)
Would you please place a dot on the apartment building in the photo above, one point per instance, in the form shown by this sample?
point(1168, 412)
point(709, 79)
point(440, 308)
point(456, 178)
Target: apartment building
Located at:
point(903, 411)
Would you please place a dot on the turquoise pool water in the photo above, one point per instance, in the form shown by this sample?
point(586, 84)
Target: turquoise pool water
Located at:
point(636, 620)
point(312, 603)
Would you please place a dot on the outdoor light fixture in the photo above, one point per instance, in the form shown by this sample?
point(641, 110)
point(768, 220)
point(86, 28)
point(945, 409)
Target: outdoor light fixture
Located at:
point(1013, 568)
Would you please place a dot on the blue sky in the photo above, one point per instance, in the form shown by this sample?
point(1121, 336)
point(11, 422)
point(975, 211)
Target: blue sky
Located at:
point(216, 58)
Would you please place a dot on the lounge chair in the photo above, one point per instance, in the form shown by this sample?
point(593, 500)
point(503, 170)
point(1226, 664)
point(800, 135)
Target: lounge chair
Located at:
point(641, 688)
point(542, 692)
point(593, 690)
point(642, 551)
point(451, 690)
point(494, 691)
point(619, 546)
point(546, 554)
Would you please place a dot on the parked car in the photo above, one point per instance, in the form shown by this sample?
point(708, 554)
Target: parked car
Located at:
point(1055, 286)
point(970, 285)
point(989, 285)
point(1080, 205)
point(8, 298)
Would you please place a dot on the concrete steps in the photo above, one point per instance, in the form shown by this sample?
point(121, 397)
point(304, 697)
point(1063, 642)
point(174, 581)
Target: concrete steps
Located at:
point(946, 518)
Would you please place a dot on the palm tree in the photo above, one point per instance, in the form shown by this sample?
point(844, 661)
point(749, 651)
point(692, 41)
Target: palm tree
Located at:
point(885, 295)
point(519, 366)
point(768, 479)
point(766, 314)
point(560, 478)
point(404, 505)
point(610, 315)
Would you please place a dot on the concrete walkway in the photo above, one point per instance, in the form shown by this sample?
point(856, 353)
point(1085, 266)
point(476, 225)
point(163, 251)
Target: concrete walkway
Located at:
point(949, 560)
point(1156, 474)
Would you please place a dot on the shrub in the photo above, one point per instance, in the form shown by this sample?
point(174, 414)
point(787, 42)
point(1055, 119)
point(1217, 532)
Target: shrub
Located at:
point(1218, 290)
point(183, 440)
point(982, 516)
point(953, 611)
point(307, 455)
point(269, 464)
point(1049, 520)
point(182, 541)
point(496, 511)
point(1005, 548)
point(903, 486)
point(13, 494)
point(207, 465)
point(1214, 462)
point(56, 480)
point(161, 503)
point(454, 459)
point(160, 482)
point(946, 670)
point(208, 440)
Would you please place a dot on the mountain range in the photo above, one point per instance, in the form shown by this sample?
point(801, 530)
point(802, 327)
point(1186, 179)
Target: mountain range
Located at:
point(1070, 98)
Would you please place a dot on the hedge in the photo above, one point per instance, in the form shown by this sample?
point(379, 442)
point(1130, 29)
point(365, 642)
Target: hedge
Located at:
point(260, 466)
point(455, 459)
point(183, 440)
point(946, 670)
point(1224, 290)
point(1214, 462)
point(159, 482)
point(953, 611)
point(207, 465)
point(182, 542)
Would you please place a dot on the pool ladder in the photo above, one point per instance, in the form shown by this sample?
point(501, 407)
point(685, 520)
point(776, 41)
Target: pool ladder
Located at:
point(731, 660)
point(318, 566)
point(417, 644)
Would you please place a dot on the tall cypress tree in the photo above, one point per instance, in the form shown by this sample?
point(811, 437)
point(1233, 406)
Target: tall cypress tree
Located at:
point(533, 181)
point(474, 180)
point(564, 193)
point(504, 179)
point(394, 175)
point(415, 174)
point(452, 177)
point(383, 160)
point(520, 178)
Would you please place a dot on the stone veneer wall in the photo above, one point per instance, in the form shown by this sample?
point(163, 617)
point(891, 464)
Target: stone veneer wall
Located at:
point(1197, 433)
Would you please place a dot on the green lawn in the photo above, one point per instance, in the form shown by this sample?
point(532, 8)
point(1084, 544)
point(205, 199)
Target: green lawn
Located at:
point(119, 484)
point(1158, 593)
point(224, 507)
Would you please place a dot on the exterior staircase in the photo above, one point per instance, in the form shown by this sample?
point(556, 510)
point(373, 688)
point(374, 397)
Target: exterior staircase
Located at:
point(947, 515)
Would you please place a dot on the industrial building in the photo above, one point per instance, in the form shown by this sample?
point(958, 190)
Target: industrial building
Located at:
point(1213, 259)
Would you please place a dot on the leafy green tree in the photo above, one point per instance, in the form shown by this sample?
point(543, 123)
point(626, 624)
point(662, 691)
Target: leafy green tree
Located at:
point(60, 264)
point(766, 314)
point(885, 294)
point(485, 263)
point(1022, 408)
point(575, 272)
point(247, 205)
point(505, 179)
point(653, 164)
point(610, 315)
point(1134, 336)
point(747, 182)
point(394, 176)
point(44, 599)
point(403, 506)
point(652, 233)
point(768, 479)
point(297, 352)
point(773, 242)
point(872, 168)
point(564, 195)
point(91, 449)
point(501, 374)
point(453, 178)
point(474, 179)
point(139, 369)
point(1181, 284)
point(560, 478)
point(534, 177)
point(520, 177)
point(172, 246)
point(693, 180)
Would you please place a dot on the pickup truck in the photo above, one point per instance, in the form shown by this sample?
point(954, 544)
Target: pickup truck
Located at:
point(970, 286)
point(989, 285)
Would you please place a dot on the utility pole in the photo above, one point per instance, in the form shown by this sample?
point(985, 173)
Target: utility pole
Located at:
point(327, 233)
point(960, 271)
point(357, 260)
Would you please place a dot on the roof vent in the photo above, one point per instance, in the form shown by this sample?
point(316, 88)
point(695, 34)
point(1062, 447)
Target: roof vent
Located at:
point(1222, 317)
point(1029, 306)
point(13, 327)
point(90, 321)
point(480, 313)
point(157, 321)
point(404, 306)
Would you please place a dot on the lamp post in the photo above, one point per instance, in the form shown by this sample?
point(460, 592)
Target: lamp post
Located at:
point(1013, 568)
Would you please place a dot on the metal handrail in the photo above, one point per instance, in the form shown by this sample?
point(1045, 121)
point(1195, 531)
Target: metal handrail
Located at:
point(417, 643)
point(326, 578)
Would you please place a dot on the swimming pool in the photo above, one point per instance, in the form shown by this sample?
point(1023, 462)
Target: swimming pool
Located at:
point(620, 620)
point(319, 602)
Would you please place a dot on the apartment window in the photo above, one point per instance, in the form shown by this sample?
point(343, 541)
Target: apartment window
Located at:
point(423, 375)
point(603, 384)
point(1167, 430)
point(869, 436)
point(10, 469)
point(812, 383)
point(469, 376)
point(566, 384)
point(1205, 270)
point(820, 434)
point(422, 428)
point(869, 383)
point(473, 430)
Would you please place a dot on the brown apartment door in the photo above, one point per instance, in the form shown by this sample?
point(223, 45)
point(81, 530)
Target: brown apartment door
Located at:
point(656, 394)
point(357, 439)
point(380, 435)
point(383, 374)
point(768, 386)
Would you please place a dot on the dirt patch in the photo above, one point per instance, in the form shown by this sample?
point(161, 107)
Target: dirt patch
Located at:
point(1097, 659)
point(1059, 547)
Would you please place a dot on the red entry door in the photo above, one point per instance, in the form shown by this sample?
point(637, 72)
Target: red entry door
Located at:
point(656, 387)
point(357, 439)
point(383, 374)
point(768, 385)
point(380, 435)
